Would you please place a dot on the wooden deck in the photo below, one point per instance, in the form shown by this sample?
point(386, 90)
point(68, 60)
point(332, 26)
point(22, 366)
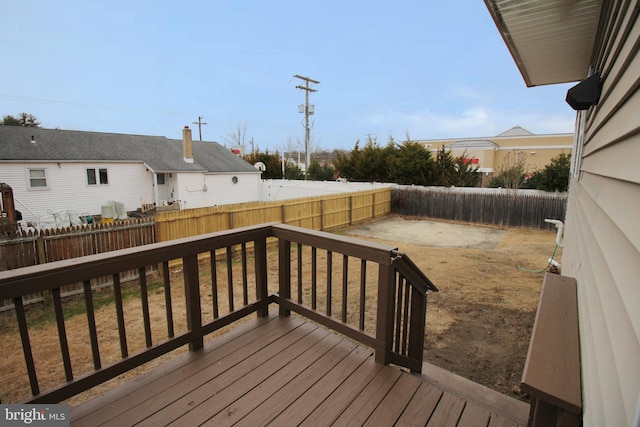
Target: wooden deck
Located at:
point(285, 371)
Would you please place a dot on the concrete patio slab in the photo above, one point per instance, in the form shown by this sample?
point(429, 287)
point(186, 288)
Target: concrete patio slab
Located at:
point(432, 233)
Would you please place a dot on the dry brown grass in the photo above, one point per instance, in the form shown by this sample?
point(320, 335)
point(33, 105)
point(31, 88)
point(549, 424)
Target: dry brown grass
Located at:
point(478, 325)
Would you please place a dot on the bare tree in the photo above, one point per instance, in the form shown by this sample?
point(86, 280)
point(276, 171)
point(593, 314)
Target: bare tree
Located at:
point(511, 173)
point(22, 119)
point(236, 136)
point(291, 147)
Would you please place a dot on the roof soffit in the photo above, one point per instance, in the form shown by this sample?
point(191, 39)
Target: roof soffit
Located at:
point(551, 41)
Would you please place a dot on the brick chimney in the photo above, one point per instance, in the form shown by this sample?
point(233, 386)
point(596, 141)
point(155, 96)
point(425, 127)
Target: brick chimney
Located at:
point(187, 145)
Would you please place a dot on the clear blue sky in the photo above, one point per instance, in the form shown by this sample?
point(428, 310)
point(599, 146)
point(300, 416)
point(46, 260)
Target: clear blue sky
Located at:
point(432, 69)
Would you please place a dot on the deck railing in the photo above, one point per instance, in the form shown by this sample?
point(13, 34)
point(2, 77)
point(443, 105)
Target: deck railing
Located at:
point(376, 296)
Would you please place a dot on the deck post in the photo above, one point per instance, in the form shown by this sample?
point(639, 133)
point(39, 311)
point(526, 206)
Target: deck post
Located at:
point(417, 325)
point(192, 299)
point(284, 268)
point(384, 316)
point(260, 255)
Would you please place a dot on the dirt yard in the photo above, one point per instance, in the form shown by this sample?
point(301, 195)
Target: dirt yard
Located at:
point(478, 325)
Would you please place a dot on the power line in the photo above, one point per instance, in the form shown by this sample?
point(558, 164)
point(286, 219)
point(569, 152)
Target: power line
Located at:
point(307, 113)
point(199, 123)
point(78, 104)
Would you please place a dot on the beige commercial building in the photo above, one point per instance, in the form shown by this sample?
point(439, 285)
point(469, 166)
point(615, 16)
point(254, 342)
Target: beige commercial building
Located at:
point(490, 154)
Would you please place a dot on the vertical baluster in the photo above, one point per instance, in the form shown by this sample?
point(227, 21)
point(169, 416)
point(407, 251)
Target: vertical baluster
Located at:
point(314, 278)
point(345, 282)
point(245, 287)
point(167, 298)
point(117, 294)
point(214, 283)
point(62, 333)
point(26, 345)
point(329, 280)
point(398, 311)
point(144, 297)
point(299, 273)
point(405, 323)
point(91, 321)
point(262, 289)
point(284, 265)
point(363, 291)
point(230, 276)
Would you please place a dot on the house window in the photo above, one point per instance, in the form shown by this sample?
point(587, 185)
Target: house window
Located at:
point(97, 176)
point(37, 178)
point(160, 178)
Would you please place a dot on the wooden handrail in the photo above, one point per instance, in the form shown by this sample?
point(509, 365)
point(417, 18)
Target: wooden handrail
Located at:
point(37, 278)
point(370, 251)
point(412, 286)
point(411, 271)
point(400, 298)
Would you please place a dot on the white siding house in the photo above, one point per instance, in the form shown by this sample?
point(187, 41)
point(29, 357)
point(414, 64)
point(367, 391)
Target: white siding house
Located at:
point(55, 171)
point(561, 41)
point(198, 190)
point(66, 187)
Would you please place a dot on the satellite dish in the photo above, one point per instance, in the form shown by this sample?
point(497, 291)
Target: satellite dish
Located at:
point(260, 166)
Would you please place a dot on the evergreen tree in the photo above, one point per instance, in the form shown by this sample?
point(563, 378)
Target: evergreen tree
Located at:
point(465, 175)
point(457, 172)
point(318, 172)
point(273, 163)
point(371, 164)
point(345, 162)
point(555, 176)
point(445, 166)
point(412, 164)
point(292, 171)
point(22, 119)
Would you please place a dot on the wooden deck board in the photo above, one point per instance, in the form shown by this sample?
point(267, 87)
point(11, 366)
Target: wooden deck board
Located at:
point(394, 403)
point(361, 408)
point(285, 392)
point(420, 408)
point(332, 407)
point(289, 371)
point(447, 412)
point(124, 399)
point(223, 390)
point(474, 416)
point(298, 411)
point(255, 397)
point(223, 369)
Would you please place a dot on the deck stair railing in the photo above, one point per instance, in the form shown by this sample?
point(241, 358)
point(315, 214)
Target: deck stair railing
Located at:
point(367, 291)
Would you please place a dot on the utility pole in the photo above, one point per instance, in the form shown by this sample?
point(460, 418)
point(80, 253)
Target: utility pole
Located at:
point(307, 113)
point(199, 123)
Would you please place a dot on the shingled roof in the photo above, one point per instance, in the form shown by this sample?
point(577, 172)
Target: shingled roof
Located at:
point(157, 152)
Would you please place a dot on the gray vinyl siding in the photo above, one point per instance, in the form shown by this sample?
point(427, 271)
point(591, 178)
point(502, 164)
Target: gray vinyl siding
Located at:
point(603, 229)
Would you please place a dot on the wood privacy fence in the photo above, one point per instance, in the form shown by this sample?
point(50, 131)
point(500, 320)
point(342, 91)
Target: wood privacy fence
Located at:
point(25, 248)
point(315, 213)
point(513, 208)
